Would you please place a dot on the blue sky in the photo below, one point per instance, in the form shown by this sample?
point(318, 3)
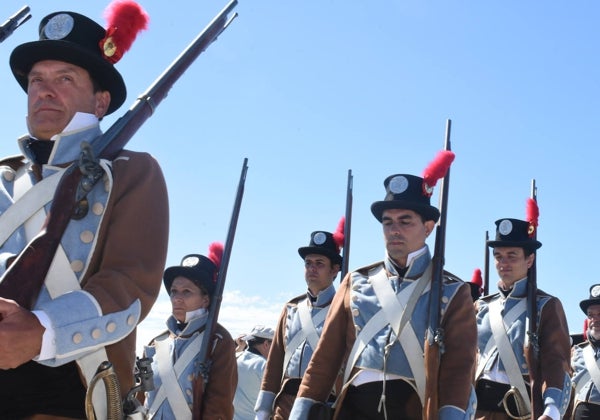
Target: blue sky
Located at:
point(307, 90)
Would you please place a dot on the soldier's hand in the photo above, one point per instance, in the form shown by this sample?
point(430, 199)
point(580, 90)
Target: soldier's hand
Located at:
point(20, 335)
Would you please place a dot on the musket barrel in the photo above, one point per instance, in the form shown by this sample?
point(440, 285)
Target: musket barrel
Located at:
point(215, 303)
point(115, 138)
point(13, 22)
point(347, 225)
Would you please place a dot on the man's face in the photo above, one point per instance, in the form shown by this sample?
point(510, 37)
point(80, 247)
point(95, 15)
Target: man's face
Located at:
point(511, 264)
point(593, 314)
point(56, 90)
point(319, 272)
point(404, 232)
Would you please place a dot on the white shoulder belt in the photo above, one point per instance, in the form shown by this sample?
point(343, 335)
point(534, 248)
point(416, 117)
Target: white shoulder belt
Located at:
point(396, 310)
point(308, 331)
point(170, 389)
point(505, 351)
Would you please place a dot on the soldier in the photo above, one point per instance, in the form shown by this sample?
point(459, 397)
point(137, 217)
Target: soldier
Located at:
point(584, 361)
point(300, 325)
point(251, 364)
point(384, 373)
point(502, 373)
point(176, 364)
point(106, 273)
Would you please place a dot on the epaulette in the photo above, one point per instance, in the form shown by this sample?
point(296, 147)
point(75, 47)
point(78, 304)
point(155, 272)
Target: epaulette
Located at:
point(13, 162)
point(487, 298)
point(365, 270)
point(297, 299)
point(540, 292)
point(583, 344)
point(163, 335)
point(451, 278)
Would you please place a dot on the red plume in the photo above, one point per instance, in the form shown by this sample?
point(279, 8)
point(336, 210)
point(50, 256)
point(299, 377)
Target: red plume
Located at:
point(532, 213)
point(338, 235)
point(436, 169)
point(215, 253)
point(477, 279)
point(124, 20)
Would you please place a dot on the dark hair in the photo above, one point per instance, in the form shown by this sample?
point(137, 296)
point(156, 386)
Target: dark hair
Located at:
point(256, 341)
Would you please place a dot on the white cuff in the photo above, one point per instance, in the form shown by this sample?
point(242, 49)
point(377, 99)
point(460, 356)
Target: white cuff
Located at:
point(48, 350)
point(262, 415)
point(552, 411)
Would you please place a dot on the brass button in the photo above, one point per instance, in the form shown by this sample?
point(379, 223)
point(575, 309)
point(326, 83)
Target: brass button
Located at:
point(8, 175)
point(77, 266)
point(98, 209)
point(86, 236)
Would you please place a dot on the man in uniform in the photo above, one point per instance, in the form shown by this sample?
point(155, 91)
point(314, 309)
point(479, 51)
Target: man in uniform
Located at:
point(502, 373)
point(584, 361)
point(300, 325)
point(107, 270)
point(251, 364)
point(384, 372)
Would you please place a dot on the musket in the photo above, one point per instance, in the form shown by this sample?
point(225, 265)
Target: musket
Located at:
point(347, 226)
point(204, 354)
point(23, 280)
point(143, 380)
point(13, 22)
point(434, 344)
point(486, 266)
point(532, 350)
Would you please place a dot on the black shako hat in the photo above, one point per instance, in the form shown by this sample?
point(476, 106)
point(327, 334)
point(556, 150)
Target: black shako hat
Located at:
point(322, 243)
point(593, 300)
point(514, 232)
point(75, 39)
point(406, 192)
point(198, 268)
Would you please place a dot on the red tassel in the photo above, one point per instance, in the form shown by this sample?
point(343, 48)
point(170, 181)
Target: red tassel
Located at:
point(125, 19)
point(477, 279)
point(215, 253)
point(338, 235)
point(436, 169)
point(532, 214)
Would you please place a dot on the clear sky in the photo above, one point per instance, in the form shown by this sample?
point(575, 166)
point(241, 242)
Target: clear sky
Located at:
point(307, 90)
